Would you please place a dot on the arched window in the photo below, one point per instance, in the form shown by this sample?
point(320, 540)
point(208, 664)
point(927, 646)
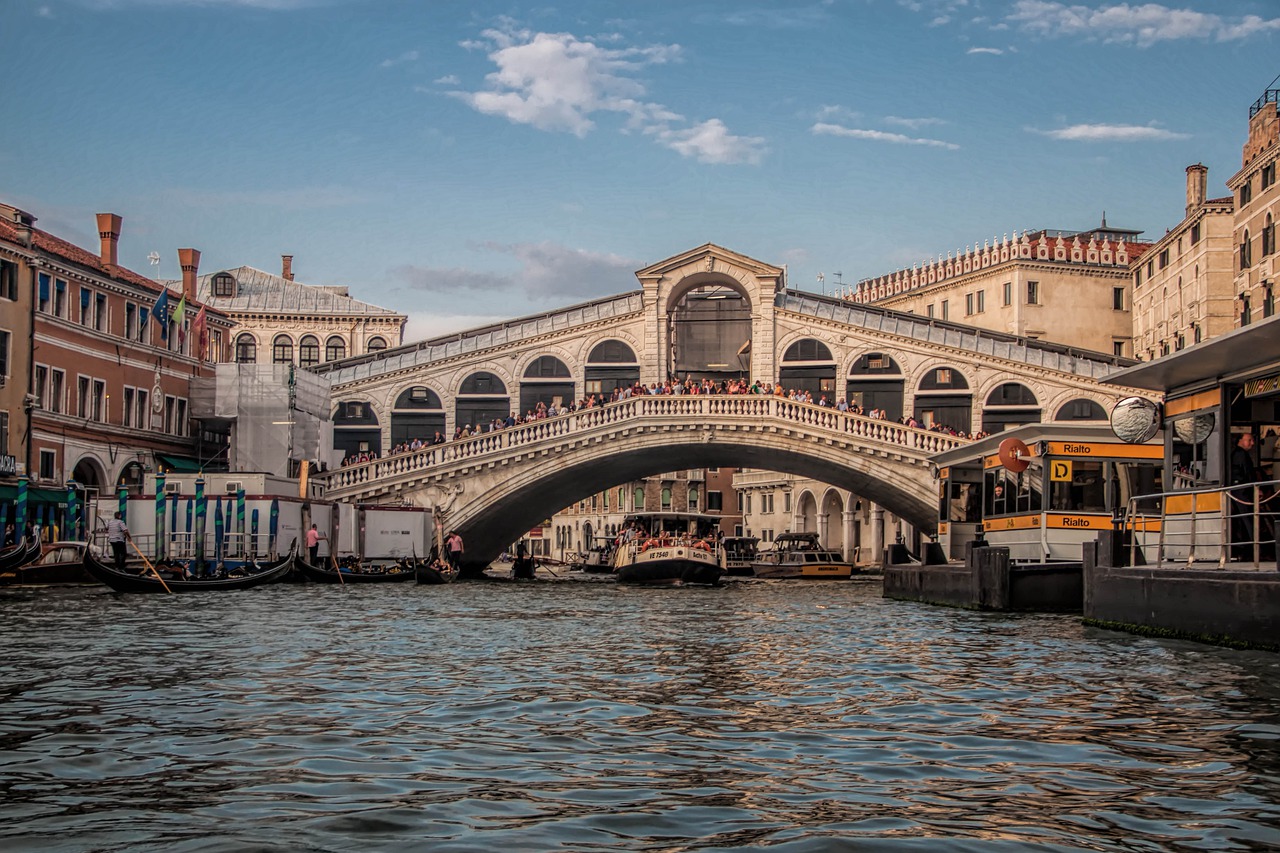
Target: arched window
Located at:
point(638, 499)
point(246, 349)
point(282, 350)
point(375, 344)
point(666, 497)
point(546, 380)
point(611, 364)
point(1010, 404)
point(335, 348)
point(815, 373)
point(1268, 237)
point(481, 398)
point(309, 351)
point(1080, 410)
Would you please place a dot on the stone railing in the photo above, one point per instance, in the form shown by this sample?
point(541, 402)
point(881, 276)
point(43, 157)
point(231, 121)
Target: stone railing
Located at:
point(686, 409)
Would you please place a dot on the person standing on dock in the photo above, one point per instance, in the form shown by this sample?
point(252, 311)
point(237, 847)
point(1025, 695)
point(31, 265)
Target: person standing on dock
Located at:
point(1242, 472)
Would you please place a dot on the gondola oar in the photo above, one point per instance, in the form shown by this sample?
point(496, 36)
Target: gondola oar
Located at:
point(333, 560)
point(147, 563)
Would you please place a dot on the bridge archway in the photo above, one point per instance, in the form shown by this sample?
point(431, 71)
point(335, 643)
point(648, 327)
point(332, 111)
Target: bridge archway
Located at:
point(1008, 405)
point(876, 382)
point(943, 397)
point(481, 399)
point(709, 329)
point(356, 429)
point(807, 364)
point(416, 413)
point(501, 511)
point(610, 364)
point(546, 380)
point(1080, 409)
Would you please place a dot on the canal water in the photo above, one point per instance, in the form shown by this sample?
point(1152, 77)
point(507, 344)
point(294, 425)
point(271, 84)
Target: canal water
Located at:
point(790, 716)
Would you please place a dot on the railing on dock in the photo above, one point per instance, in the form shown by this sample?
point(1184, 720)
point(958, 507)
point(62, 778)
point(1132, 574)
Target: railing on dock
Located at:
point(1226, 525)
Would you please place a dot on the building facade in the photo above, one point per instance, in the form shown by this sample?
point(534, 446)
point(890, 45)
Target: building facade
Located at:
point(1069, 287)
point(107, 360)
point(1257, 200)
point(282, 321)
point(1182, 284)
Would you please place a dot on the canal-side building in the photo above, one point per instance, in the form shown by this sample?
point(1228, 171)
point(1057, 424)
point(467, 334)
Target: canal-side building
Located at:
point(1257, 201)
point(16, 256)
point(1182, 284)
point(108, 360)
point(1065, 286)
point(283, 321)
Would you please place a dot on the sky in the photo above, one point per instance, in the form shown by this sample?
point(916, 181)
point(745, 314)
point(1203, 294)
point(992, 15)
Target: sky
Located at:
point(467, 162)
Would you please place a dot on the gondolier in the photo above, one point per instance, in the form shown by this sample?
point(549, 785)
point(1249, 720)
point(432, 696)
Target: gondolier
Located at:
point(117, 535)
point(313, 544)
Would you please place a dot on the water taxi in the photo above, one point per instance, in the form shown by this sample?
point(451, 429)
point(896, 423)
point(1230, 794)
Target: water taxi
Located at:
point(801, 555)
point(668, 548)
point(737, 553)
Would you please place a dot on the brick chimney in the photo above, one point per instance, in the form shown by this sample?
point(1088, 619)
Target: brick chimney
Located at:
point(286, 267)
point(1197, 182)
point(109, 233)
point(189, 260)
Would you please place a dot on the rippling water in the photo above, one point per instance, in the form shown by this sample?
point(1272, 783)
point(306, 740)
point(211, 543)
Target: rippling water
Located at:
point(585, 716)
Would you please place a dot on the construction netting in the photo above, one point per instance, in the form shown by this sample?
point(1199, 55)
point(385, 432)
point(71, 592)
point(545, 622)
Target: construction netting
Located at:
point(275, 412)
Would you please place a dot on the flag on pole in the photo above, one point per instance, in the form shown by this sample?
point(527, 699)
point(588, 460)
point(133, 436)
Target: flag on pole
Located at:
point(179, 318)
point(200, 334)
point(161, 313)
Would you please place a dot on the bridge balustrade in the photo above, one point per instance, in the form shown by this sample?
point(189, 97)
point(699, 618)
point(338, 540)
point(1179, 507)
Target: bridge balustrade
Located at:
point(682, 408)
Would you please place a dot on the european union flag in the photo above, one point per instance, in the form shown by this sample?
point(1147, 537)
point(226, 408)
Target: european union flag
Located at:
point(161, 313)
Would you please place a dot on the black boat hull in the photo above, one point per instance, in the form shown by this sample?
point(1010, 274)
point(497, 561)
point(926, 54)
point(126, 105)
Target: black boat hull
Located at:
point(148, 582)
point(321, 575)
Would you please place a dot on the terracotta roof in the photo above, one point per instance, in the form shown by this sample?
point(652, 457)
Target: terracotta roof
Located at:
point(259, 292)
point(73, 254)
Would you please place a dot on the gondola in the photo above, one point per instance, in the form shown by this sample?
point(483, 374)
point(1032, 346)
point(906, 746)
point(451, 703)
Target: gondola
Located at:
point(147, 581)
point(27, 550)
point(435, 572)
point(393, 573)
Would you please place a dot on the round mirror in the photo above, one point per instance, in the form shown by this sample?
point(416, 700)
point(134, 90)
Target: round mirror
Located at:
point(1193, 430)
point(1135, 420)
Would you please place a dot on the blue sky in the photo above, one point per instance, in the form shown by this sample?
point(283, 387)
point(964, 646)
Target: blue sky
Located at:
point(470, 161)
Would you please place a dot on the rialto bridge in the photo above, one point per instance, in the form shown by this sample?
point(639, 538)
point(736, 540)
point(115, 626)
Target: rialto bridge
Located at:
point(709, 313)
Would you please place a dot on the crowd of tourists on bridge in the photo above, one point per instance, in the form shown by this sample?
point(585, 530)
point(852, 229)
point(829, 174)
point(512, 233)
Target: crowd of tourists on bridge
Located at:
point(670, 387)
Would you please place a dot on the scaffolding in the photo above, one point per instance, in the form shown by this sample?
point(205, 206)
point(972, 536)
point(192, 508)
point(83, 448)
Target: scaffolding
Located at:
point(278, 416)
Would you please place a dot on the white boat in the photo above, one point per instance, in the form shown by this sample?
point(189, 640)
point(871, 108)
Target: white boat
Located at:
point(801, 555)
point(737, 553)
point(668, 548)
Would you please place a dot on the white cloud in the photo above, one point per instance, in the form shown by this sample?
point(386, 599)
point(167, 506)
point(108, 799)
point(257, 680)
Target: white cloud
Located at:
point(822, 129)
point(833, 111)
point(711, 142)
point(558, 82)
point(994, 51)
point(913, 123)
point(548, 271)
point(1139, 24)
point(1111, 133)
point(407, 56)
point(447, 80)
point(424, 325)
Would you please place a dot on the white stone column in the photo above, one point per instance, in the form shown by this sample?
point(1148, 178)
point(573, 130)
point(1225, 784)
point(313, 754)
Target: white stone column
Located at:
point(823, 527)
point(877, 534)
point(848, 522)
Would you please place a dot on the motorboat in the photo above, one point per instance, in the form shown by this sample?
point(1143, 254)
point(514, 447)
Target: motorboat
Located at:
point(737, 553)
point(668, 548)
point(801, 555)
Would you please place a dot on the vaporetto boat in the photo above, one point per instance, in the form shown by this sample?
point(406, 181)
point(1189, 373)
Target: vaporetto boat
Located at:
point(668, 548)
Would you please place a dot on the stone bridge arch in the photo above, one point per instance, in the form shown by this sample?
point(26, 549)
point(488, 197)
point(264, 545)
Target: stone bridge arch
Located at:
point(494, 488)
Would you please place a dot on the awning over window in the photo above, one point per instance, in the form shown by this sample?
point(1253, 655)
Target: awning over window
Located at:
point(179, 464)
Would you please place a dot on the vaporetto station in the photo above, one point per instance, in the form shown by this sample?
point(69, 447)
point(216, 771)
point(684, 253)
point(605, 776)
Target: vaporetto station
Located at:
point(707, 313)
